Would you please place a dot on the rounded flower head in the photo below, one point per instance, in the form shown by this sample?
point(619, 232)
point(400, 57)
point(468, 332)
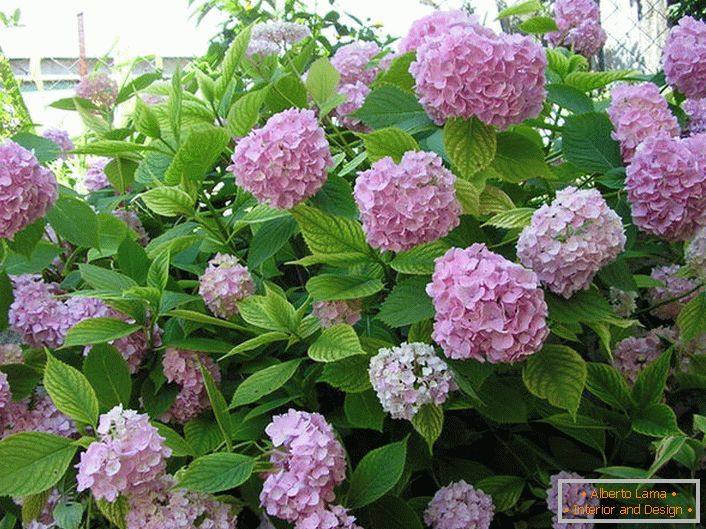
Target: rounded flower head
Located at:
point(685, 57)
point(353, 62)
point(36, 313)
point(355, 97)
point(473, 72)
point(570, 495)
point(579, 23)
point(624, 302)
point(133, 222)
point(696, 254)
point(35, 414)
point(487, 307)
point(309, 462)
point(666, 186)
point(406, 204)
point(638, 111)
point(223, 284)
point(569, 241)
point(27, 190)
point(331, 313)
point(695, 110)
point(459, 506)
point(672, 287)
point(409, 376)
point(128, 458)
point(61, 139)
point(11, 353)
point(269, 38)
point(96, 178)
point(183, 369)
point(632, 354)
point(284, 162)
point(99, 88)
point(436, 24)
point(5, 392)
point(333, 517)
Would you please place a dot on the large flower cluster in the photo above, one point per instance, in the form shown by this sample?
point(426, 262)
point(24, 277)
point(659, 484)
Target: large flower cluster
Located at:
point(459, 506)
point(436, 24)
point(354, 62)
point(355, 97)
point(695, 254)
point(309, 462)
point(35, 414)
point(37, 313)
point(487, 307)
point(579, 23)
point(223, 284)
point(684, 52)
point(632, 354)
point(679, 289)
point(331, 313)
point(570, 496)
point(274, 36)
point(406, 204)
point(666, 185)
point(98, 88)
point(638, 111)
point(408, 377)
point(62, 139)
point(284, 162)
point(27, 190)
point(333, 517)
point(474, 72)
point(569, 241)
point(183, 368)
point(96, 179)
point(128, 458)
point(695, 109)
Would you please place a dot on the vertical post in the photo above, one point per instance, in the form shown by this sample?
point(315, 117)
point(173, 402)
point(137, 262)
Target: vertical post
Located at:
point(82, 65)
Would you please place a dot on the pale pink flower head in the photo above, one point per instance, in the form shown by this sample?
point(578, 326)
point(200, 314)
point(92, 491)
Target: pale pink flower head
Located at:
point(459, 506)
point(5, 392)
point(579, 23)
point(96, 179)
point(133, 222)
point(624, 302)
point(672, 287)
point(685, 57)
point(695, 254)
point(331, 313)
point(11, 353)
point(183, 368)
point(35, 414)
point(354, 62)
point(36, 313)
point(571, 239)
point(632, 354)
point(406, 204)
point(27, 190)
point(309, 462)
point(286, 161)
point(695, 110)
point(474, 72)
point(130, 456)
point(331, 517)
point(666, 186)
point(274, 36)
point(570, 496)
point(436, 24)
point(638, 111)
point(487, 308)
point(99, 88)
point(410, 376)
point(223, 284)
point(62, 139)
point(355, 97)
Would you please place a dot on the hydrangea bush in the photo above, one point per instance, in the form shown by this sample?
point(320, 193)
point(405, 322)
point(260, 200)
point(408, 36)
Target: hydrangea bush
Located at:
point(357, 284)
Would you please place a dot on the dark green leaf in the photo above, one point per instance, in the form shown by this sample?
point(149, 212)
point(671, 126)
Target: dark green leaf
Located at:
point(376, 474)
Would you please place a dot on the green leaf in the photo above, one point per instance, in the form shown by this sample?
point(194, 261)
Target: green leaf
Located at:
point(336, 287)
point(583, 307)
point(203, 435)
point(269, 239)
point(429, 422)
point(538, 25)
point(179, 446)
point(322, 81)
point(397, 73)
point(656, 420)
point(588, 144)
point(570, 98)
point(667, 448)
point(335, 343)
point(390, 106)
point(586, 430)
point(258, 341)
point(692, 318)
point(196, 155)
point(518, 158)
point(75, 221)
point(217, 472)
point(515, 218)
point(98, 330)
point(199, 317)
point(556, 373)
point(158, 274)
point(137, 84)
point(146, 120)
point(32, 506)
point(502, 401)
point(336, 198)
point(617, 274)
point(232, 60)
point(108, 372)
point(389, 141)
point(407, 303)
point(468, 195)
point(505, 490)
point(521, 8)
point(25, 241)
point(121, 173)
point(244, 113)
point(132, 260)
point(70, 391)
point(264, 382)
point(115, 511)
point(350, 375)
point(218, 405)
point(470, 144)
point(494, 200)
point(363, 410)
point(376, 474)
point(289, 91)
point(43, 149)
point(606, 383)
point(112, 148)
point(272, 312)
point(391, 512)
point(651, 381)
point(104, 279)
point(152, 168)
point(31, 462)
point(68, 515)
point(419, 260)
point(588, 81)
point(22, 379)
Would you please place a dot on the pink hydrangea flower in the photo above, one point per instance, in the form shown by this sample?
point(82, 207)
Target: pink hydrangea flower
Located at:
point(695, 110)
point(666, 186)
point(223, 284)
point(274, 36)
point(36, 313)
point(309, 462)
point(182, 368)
point(129, 457)
point(37, 414)
point(685, 57)
point(632, 354)
point(333, 517)
point(569, 241)
point(487, 307)
point(96, 178)
point(436, 24)
point(331, 313)
point(61, 139)
point(5, 392)
point(570, 496)
point(579, 23)
point(459, 506)
point(354, 62)
point(624, 302)
point(406, 204)
point(638, 111)
point(696, 254)
point(99, 89)
point(133, 222)
point(673, 287)
point(355, 97)
point(474, 72)
point(409, 376)
point(284, 162)
point(27, 190)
